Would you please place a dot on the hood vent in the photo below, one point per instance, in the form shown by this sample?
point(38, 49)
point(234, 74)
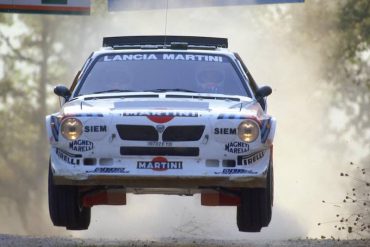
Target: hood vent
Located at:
point(201, 97)
point(137, 132)
point(123, 96)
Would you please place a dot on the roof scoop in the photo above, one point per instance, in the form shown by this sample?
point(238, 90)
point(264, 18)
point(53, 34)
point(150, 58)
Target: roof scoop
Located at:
point(163, 41)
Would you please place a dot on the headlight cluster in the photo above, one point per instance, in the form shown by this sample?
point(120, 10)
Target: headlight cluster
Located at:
point(248, 131)
point(71, 128)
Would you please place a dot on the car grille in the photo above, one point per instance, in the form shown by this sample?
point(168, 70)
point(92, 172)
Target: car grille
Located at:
point(183, 133)
point(137, 132)
point(170, 134)
point(160, 151)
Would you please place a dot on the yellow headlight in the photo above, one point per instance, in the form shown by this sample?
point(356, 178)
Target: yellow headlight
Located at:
point(248, 131)
point(71, 128)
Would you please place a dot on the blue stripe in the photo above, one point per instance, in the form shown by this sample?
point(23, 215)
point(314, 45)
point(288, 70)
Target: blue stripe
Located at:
point(86, 115)
point(231, 116)
point(266, 127)
point(68, 153)
point(54, 127)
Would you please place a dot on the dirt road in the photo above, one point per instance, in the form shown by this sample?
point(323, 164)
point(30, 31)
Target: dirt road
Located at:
point(12, 240)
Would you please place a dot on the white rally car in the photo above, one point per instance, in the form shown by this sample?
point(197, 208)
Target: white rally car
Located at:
point(174, 115)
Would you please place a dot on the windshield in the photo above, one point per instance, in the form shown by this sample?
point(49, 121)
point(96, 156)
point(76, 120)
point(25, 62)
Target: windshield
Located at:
point(162, 72)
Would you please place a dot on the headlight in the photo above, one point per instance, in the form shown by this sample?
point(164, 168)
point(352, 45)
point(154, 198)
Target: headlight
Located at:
point(71, 128)
point(248, 131)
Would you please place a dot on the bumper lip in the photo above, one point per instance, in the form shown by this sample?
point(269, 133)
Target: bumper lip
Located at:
point(163, 181)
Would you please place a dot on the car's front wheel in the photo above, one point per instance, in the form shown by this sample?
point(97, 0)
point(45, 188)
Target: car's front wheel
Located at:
point(255, 208)
point(65, 206)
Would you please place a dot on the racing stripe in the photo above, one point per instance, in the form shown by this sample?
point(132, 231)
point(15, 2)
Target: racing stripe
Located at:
point(265, 130)
point(232, 116)
point(84, 115)
point(54, 122)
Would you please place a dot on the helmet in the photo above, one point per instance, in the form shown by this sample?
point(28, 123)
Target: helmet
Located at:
point(210, 80)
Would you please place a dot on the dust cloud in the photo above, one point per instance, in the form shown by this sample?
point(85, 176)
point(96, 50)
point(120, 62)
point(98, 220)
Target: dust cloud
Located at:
point(304, 172)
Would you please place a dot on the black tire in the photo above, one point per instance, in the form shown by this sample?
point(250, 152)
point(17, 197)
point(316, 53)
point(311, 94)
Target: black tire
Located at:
point(65, 207)
point(255, 208)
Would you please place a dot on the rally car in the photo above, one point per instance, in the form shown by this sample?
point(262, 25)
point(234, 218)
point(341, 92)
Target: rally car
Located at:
point(175, 115)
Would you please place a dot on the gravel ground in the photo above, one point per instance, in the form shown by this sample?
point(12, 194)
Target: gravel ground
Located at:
point(12, 240)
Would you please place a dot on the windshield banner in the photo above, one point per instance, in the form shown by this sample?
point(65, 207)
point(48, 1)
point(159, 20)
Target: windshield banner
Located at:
point(162, 56)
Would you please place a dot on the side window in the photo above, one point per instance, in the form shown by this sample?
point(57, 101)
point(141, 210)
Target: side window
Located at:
point(75, 81)
point(79, 73)
point(252, 82)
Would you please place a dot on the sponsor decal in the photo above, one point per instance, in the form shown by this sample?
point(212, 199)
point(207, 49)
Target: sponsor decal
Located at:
point(160, 164)
point(160, 117)
point(225, 131)
point(68, 157)
point(237, 147)
point(159, 144)
point(81, 145)
point(161, 56)
point(250, 159)
point(108, 170)
point(160, 114)
point(236, 171)
point(95, 128)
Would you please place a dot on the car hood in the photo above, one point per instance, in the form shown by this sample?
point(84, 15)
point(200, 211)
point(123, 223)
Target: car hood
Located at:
point(159, 102)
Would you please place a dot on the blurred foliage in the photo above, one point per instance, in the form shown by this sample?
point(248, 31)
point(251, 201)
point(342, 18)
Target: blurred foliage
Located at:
point(32, 62)
point(350, 68)
point(28, 62)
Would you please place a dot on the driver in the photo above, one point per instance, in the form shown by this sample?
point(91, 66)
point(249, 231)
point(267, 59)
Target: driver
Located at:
point(210, 80)
point(118, 79)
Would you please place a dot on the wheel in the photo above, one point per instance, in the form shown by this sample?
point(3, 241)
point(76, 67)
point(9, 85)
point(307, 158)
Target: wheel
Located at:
point(255, 208)
point(65, 208)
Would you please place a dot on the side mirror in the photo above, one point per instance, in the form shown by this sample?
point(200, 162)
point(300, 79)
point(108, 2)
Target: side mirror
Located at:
point(62, 91)
point(263, 92)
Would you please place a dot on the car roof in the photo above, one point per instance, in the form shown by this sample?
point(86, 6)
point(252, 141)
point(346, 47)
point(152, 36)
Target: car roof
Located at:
point(165, 41)
point(154, 44)
point(218, 51)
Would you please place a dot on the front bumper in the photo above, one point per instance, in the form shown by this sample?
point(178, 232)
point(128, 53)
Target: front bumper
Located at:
point(181, 172)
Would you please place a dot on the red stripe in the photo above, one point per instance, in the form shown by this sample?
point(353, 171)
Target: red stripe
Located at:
point(160, 119)
point(43, 8)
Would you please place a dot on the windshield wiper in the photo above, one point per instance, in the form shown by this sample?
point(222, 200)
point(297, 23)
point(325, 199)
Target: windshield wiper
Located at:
point(113, 91)
point(160, 90)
